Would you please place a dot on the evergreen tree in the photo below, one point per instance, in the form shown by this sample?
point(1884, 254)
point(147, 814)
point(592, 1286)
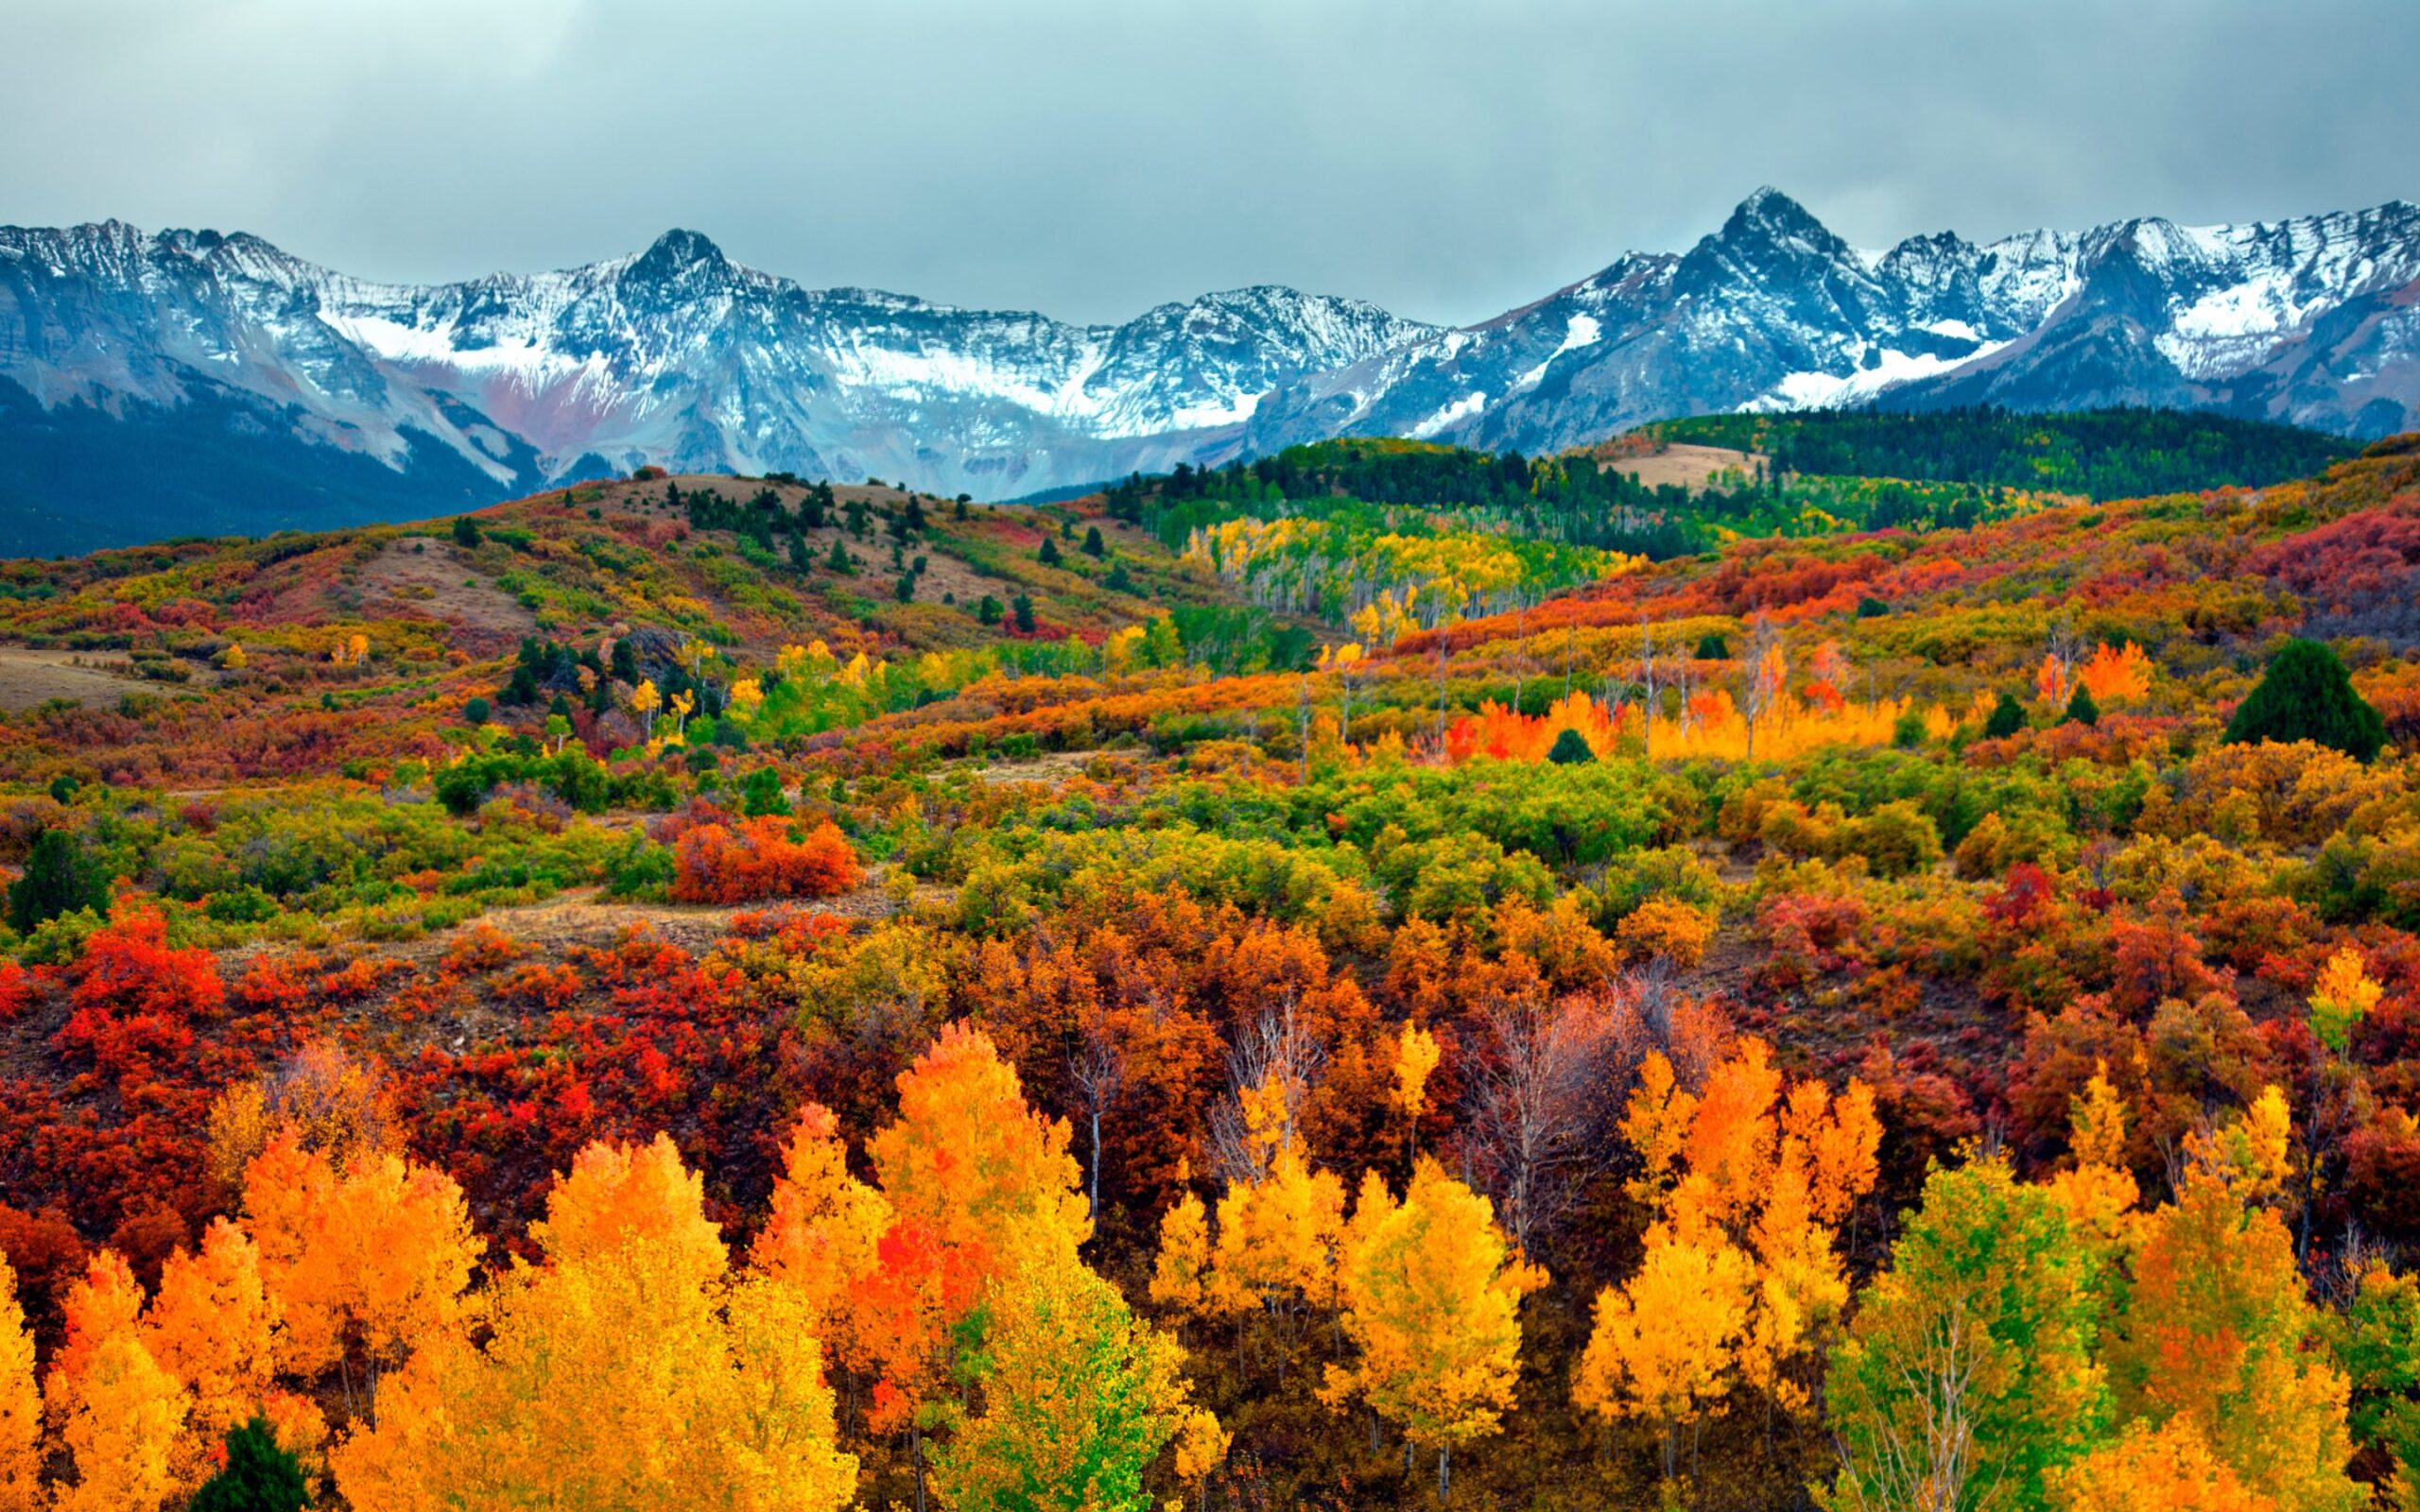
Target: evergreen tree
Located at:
point(802, 560)
point(905, 590)
point(2080, 709)
point(988, 612)
point(1093, 546)
point(1713, 647)
point(2307, 694)
point(838, 561)
point(1050, 556)
point(1571, 749)
point(57, 879)
point(2006, 718)
point(1023, 606)
point(761, 793)
point(466, 532)
point(476, 711)
point(258, 1475)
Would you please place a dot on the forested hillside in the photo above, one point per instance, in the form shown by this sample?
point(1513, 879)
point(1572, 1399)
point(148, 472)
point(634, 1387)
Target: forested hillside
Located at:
point(2103, 454)
point(1384, 977)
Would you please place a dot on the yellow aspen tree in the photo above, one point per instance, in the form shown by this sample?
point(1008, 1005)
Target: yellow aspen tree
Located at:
point(2253, 1155)
point(1434, 1299)
point(1416, 1056)
point(627, 1370)
point(1181, 1270)
point(746, 697)
point(1277, 1236)
point(19, 1404)
point(1665, 1344)
point(646, 700)
point(119, 1412)
point(1746, 1181)
point(1201, 1445)
point(2341, 998)
point(2098, 1193)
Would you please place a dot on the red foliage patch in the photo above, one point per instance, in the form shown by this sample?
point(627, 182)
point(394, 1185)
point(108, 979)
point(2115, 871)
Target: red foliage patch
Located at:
point(753, 859)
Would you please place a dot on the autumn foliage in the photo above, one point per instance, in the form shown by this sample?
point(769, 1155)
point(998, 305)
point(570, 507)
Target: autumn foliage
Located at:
point(750, 860)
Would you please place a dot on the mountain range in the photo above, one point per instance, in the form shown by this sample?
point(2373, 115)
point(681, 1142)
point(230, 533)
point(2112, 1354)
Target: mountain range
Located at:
point(188, 382)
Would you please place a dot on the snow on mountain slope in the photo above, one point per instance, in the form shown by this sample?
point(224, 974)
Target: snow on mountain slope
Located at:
point(2315, 321)
point(286, 377)
point(675, 357)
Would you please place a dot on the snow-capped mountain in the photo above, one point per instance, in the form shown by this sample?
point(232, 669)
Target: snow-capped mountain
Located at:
point(185, 380)
point(278, 375)
point(2314, 321)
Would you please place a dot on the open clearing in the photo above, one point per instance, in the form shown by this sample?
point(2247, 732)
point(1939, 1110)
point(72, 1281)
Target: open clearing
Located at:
point(1691, 467)
point(30, 678)
point(416, 578)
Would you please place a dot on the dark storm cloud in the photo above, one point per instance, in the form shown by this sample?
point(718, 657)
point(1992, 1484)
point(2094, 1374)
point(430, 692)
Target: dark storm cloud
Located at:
point(1092, 158)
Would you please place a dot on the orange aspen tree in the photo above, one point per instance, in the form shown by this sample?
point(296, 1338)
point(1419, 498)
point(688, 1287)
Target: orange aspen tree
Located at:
point(825, 1224)
point(214, 1328)
point(1748, 1181)
point(979, 1185)
point(362, 1266)
point(2165, 1470)
point(969, 1160)
point(2218, 1332)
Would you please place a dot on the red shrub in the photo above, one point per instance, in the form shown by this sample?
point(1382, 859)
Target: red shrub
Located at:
point(17, 991)
point(760, 858)
point(135, 998)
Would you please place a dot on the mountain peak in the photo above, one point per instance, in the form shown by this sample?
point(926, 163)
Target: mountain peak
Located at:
point(1771, 219)
point(1770, 206)
point(677, 253)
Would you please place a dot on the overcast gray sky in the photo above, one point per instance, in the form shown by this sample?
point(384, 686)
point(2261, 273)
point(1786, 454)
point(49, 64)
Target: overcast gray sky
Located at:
point(1092, 158)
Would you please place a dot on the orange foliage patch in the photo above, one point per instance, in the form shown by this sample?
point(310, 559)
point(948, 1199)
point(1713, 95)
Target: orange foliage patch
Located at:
point(752, 859)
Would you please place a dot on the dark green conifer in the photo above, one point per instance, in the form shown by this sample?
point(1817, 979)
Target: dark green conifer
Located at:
point(2006, 718)
point(2307, 694)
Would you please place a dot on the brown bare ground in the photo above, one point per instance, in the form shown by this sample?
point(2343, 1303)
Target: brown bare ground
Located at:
point(433, 582)
point(1691, 467)
point(30, 678)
